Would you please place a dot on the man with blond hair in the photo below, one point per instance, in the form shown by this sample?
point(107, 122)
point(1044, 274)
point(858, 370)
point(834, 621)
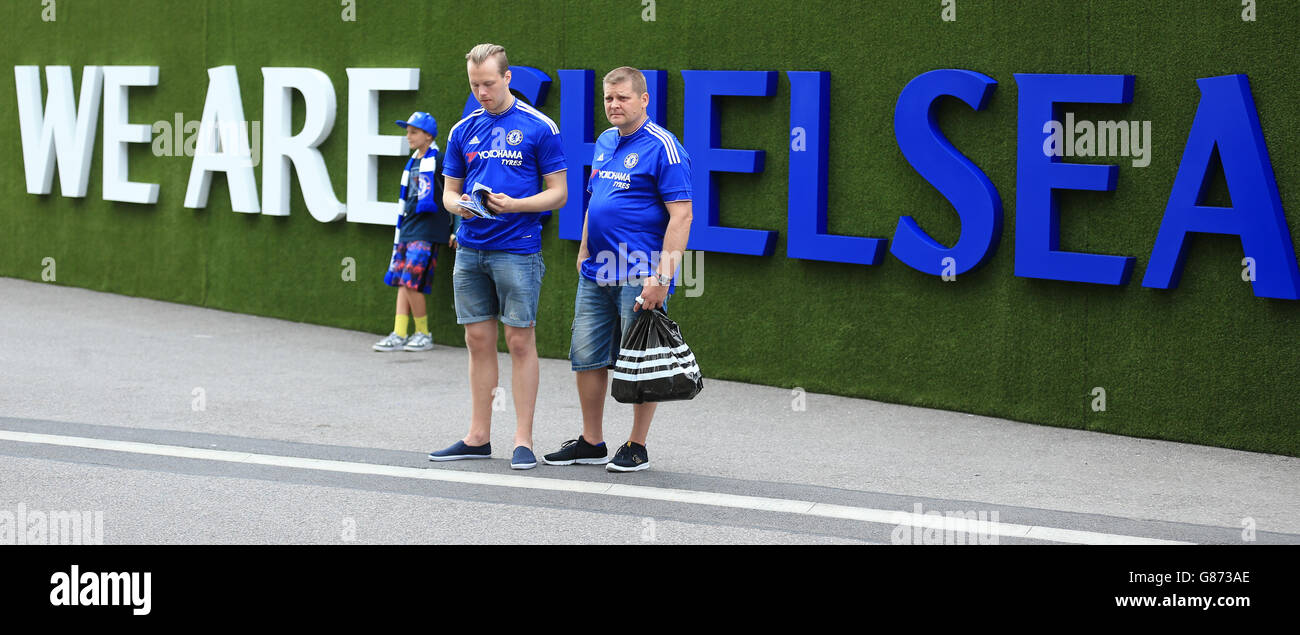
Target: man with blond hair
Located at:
point(633, 235)
point(512, 148)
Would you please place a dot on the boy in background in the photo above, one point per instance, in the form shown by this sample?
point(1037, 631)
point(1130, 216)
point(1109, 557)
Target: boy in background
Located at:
point(422, 225)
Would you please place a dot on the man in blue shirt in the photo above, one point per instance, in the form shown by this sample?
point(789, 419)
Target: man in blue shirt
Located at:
point(512, 148)
point(636, 228)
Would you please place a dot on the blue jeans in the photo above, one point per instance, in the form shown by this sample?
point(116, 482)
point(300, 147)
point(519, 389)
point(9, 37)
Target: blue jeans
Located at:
point(493, 285)
point(601, 315)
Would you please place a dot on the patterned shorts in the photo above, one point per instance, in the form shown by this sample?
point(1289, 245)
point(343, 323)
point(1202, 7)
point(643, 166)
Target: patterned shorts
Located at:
point(412, 265)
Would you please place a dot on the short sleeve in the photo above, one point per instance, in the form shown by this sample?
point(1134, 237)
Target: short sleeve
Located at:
point(596, 151)
point(594, 170)
point(550, 153)
point(675, 178)
point(453, 164)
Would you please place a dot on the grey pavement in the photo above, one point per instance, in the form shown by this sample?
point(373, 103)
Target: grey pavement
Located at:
point(81, 363)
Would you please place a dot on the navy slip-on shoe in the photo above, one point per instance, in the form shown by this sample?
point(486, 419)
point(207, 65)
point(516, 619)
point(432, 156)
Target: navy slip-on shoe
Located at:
point(523, 459)
point(459, 450)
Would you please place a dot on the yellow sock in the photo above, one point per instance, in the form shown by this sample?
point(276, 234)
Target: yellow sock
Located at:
point(422, 324)
point(400, 324)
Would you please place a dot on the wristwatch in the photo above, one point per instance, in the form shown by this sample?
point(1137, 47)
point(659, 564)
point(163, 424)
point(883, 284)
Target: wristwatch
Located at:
point(663, 280)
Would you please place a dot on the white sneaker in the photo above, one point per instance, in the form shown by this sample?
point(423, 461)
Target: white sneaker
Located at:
point(419, 342)
point(391, 343)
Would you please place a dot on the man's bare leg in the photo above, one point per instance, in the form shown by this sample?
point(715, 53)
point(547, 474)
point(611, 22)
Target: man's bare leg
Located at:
point(642, 413)
point(524, 371)
point(592, 385)
point(481, 340)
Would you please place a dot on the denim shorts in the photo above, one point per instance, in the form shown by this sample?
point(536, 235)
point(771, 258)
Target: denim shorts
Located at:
point(601, 315)
point(492, 285)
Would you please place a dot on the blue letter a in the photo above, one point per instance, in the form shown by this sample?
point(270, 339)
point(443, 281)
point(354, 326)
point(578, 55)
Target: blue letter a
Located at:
point(1226, 118)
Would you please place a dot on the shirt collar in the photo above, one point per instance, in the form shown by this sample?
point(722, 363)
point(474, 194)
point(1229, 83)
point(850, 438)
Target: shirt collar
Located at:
point(513, 105)
point(636, 133)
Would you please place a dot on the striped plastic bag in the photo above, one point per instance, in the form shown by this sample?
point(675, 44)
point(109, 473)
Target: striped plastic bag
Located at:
point(654, 363)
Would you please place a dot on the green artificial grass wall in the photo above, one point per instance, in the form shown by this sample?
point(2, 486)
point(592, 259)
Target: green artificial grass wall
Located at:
point(1205, 363)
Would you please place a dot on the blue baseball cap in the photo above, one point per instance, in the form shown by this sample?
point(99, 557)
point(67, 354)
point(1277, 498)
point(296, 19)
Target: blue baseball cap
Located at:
point(422, 120)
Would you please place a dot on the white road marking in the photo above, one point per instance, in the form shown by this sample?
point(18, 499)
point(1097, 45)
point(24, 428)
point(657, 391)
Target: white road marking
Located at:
point(689, 497)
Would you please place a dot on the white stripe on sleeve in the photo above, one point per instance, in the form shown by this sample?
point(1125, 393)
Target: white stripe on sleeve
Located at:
point(538, 114)
point(669, 146)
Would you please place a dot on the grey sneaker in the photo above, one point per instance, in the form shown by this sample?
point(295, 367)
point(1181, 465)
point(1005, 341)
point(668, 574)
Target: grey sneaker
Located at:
point(419, 342)
point(391, 343)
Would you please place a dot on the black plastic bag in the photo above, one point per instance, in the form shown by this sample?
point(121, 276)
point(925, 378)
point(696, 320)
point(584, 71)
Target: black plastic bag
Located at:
point(654, 363)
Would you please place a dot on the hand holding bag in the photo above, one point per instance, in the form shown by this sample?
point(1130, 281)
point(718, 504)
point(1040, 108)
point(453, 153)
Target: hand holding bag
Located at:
point(654, 364)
